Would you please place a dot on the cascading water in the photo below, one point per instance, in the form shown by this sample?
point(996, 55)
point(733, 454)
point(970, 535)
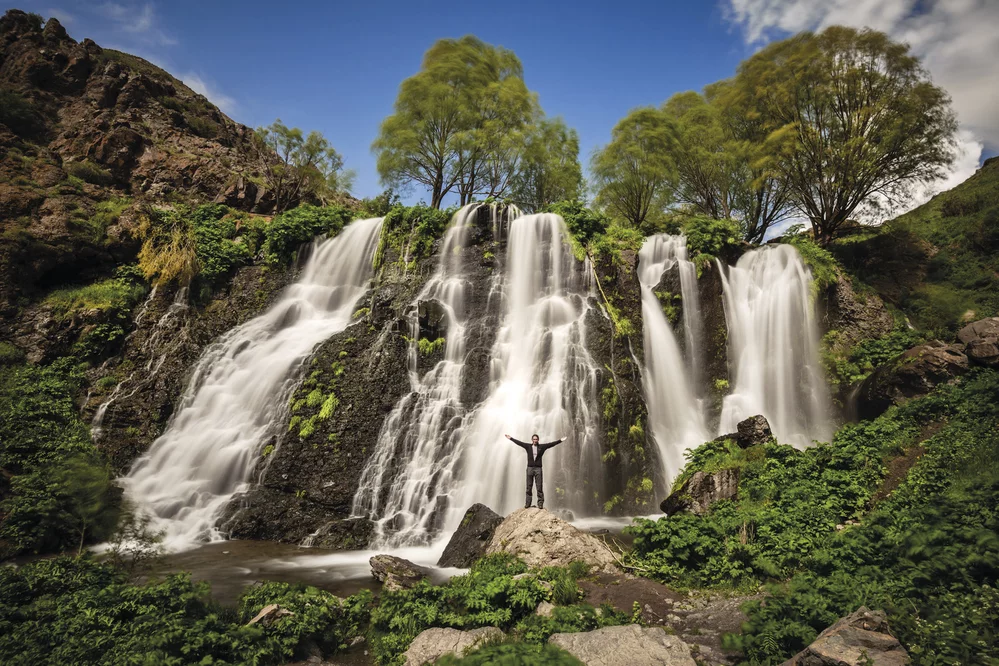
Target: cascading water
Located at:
point(239, 390)
point(542, 380)
point(169, 333)
point(675, 415)
point(413, 462)
point(434, 458)
point(773, 347)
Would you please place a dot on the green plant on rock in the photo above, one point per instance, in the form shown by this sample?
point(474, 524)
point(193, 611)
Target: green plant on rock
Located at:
point(430, 347)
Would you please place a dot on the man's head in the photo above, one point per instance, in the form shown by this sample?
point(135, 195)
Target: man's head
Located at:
point(534, 439)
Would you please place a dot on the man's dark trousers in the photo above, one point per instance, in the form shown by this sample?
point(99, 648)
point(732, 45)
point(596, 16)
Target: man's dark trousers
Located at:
point(535, 475)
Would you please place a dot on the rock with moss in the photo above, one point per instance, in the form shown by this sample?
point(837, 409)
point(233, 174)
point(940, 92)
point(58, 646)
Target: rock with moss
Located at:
point(701, 490)
point(914, 373)
point(625, 646)
point(541, 539)
point(432, 644)
point(862, 637)
point(982, 341)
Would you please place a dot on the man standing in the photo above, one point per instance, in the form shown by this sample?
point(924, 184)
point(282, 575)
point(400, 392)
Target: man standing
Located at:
point(534, 473)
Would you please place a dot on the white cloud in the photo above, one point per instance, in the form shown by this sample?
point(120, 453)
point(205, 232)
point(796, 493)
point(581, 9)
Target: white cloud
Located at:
point(216, 96)
point(957, 41)
point(137, 19)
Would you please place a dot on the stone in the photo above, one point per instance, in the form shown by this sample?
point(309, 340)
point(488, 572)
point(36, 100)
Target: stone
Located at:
point(432, 644)
point(268, 614)
point(698, 493)
point(912, 374)
point(396, 573)
point(469, 541)
point(542, 539)
point(861, 638)
point(982, 341)
point(752, 431)
point(629, 645)
point(545, 609)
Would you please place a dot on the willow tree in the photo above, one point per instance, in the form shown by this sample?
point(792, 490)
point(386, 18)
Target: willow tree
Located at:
point(634, 173)
point(851, 120)
point(458, 122)
point(549, 167)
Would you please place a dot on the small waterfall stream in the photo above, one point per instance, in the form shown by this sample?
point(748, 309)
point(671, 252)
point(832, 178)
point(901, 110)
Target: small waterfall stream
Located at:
point(676, 417)
point(240, 388)
point(773, 347)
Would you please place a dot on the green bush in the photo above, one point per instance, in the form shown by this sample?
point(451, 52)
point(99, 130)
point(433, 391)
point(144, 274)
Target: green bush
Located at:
point(411, 230)
point(80, 612)
point(708, 238)
point(867, 355)
point(291, 229)
point(10, 355)
point(89, 172)
point(60, 493)
point(488, 595)
point(512, 654)
point(203, 127)
point(824, 267)
point(111, 297)
point(19, 114)
point(583, 223)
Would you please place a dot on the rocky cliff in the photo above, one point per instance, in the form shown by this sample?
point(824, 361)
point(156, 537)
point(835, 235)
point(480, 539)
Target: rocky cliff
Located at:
point(82, 125)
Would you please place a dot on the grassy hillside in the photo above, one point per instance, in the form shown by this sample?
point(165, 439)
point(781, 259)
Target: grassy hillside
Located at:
point(939, 263)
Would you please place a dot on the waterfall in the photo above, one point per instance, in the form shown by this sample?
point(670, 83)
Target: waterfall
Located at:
point(414, 459)
point(436, 456)
point(166, 336)
point(240, 388)
point(676, 419)
point(773, 347)
point(542, 380)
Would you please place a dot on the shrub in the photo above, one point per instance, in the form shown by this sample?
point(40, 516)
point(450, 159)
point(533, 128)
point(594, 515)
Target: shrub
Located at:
point(112, 297)
point(203, 127)
point(411, 231)
point(81, 612)
point(19, 114)
point(583, 223)
point(708, 238)
point(291, 229)
point(60, 493)
point(89, 172)
point(824, 267)
point(10, 355)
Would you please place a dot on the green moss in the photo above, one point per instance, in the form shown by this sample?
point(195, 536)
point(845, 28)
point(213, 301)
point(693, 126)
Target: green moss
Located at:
point(430, 347)
point(89, 172)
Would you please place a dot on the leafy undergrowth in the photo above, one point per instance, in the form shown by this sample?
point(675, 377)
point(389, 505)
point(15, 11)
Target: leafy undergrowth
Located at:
point(487, 596)
point(78, 611)
point(939, 262)
point(928, 553)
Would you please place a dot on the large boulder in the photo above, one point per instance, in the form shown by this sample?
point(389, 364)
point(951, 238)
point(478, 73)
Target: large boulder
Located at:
point(433, 644)
point(542, 539)
point(751, 432)
point(912, 374)
point(982, 341)
point(861, 638)
point(629, 645)
point(701, 490)
point(396, 573)
point(469, 541)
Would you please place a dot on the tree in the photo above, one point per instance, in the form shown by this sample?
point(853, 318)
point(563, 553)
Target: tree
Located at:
point(458, 122)
point(851, 120)
point(549, 167)
point(634, 172)
point(308, 167)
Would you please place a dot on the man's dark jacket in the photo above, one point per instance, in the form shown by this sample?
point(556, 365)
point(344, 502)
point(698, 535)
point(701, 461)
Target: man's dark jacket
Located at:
point(527, 446)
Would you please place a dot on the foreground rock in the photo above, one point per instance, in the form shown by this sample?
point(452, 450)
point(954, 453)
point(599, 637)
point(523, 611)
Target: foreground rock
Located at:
point(470, 540)
point(433, 644)
point(859, 638)
point(630, 645)
point(912, 374)
point(698, 493)
point(753, 431)
point(541, 539)
point(982, 340)
point(396, 573)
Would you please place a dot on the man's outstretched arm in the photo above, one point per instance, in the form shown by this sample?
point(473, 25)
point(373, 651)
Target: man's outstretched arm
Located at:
point(516, 441)
point(556, 442)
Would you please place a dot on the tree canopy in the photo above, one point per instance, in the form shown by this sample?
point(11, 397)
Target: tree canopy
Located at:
point(308, 168)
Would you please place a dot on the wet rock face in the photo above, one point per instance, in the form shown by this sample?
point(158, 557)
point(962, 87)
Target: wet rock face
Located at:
point(914, 373)
point(982, 341)
point(701, 491)
point(470, 540)
point(859, 638)
point(625, 646)
point(541, 539)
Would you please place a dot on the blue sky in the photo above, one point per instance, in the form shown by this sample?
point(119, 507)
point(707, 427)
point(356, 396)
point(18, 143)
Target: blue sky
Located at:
point(336, 67)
